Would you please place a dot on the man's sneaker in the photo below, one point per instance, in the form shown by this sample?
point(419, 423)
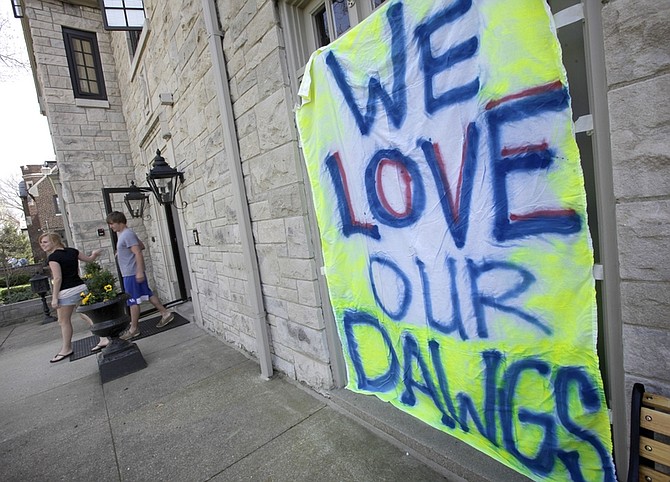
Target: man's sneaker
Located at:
point(129, 335)
point(165, 320)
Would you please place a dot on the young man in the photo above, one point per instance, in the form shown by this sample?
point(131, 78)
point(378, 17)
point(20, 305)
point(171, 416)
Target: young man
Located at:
point(131, 262)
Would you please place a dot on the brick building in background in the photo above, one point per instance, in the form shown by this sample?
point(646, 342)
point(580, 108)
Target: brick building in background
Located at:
point(41, 204)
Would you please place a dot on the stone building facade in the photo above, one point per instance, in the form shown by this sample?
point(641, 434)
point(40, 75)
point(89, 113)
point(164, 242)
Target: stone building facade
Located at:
point(638, 76)
point(213, 84)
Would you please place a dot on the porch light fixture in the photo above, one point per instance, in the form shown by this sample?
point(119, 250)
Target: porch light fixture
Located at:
point(135, 201)
point(164, 180)
point(17, 8)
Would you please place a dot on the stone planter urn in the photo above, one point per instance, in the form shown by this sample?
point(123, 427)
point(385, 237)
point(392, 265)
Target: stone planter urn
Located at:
point(110, 319)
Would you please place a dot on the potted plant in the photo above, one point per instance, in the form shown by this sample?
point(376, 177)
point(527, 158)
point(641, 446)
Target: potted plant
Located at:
point(103, 303)
point(106, 308)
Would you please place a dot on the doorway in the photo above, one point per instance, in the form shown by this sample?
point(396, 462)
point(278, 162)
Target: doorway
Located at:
point(167, 263)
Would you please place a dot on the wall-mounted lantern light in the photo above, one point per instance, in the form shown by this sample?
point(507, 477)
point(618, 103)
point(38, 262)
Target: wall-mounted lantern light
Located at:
point(135, 201)
point(164, 180)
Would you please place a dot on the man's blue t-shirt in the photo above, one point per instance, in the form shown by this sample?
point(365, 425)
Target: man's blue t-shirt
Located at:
point(127, 239)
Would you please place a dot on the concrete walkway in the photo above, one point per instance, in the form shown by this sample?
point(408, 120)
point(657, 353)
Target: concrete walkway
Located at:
point(201, 411)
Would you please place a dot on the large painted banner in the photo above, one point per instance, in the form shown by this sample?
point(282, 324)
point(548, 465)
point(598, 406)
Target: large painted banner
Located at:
point(452, 212)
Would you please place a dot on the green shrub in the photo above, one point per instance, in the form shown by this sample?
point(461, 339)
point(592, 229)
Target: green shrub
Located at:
point(15, 279)
point(18, 293)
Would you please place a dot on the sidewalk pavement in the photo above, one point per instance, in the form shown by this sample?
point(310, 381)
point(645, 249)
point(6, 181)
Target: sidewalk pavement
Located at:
point(199, 411)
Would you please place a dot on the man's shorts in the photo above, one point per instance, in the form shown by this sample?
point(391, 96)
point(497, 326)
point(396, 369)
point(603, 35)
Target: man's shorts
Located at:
point(139, 292)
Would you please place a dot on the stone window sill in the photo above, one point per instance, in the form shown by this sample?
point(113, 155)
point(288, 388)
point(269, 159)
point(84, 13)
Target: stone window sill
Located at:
point(99, 104)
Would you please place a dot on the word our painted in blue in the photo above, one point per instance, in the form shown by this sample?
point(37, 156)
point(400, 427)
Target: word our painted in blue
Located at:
point(479, 299)
point(494, 419)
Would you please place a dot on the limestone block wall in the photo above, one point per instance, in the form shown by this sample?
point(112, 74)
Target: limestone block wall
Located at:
point(28, 311)
point(168, 60)
point(271, 162)
point(175, 59)
point(91, 142)
point(638, 73)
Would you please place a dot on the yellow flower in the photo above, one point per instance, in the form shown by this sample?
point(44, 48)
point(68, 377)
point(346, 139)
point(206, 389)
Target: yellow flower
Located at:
point(100, 283)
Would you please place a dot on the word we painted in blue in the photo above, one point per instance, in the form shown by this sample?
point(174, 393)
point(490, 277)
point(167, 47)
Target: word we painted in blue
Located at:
point(456, 202)
point(395, 103)
point(495, 417)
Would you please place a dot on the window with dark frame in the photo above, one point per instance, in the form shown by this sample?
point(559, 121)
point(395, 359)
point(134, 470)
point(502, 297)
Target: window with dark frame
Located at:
point(321, 26)
point(330, 21)
point(56, 204)
point(83, 58)
point(340, 12)
point(133, 37)
point(122, 14)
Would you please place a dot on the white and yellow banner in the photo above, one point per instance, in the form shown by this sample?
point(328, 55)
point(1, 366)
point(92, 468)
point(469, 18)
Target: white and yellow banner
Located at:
point(450, 201)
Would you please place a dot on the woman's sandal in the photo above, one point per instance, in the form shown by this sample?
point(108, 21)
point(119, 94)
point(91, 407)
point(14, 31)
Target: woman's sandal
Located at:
point(98, 347)
point(60, 357)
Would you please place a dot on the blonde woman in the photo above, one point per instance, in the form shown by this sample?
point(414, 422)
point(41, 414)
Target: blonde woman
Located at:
point(67, 286)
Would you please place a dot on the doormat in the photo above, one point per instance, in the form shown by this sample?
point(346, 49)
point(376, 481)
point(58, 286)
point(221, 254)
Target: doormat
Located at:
point(82, 348)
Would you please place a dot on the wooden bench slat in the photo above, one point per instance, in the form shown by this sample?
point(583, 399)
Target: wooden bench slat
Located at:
point(655, 421)
point(658, 402)
point(649, 456)
point(659, 452)
point(653, 475)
